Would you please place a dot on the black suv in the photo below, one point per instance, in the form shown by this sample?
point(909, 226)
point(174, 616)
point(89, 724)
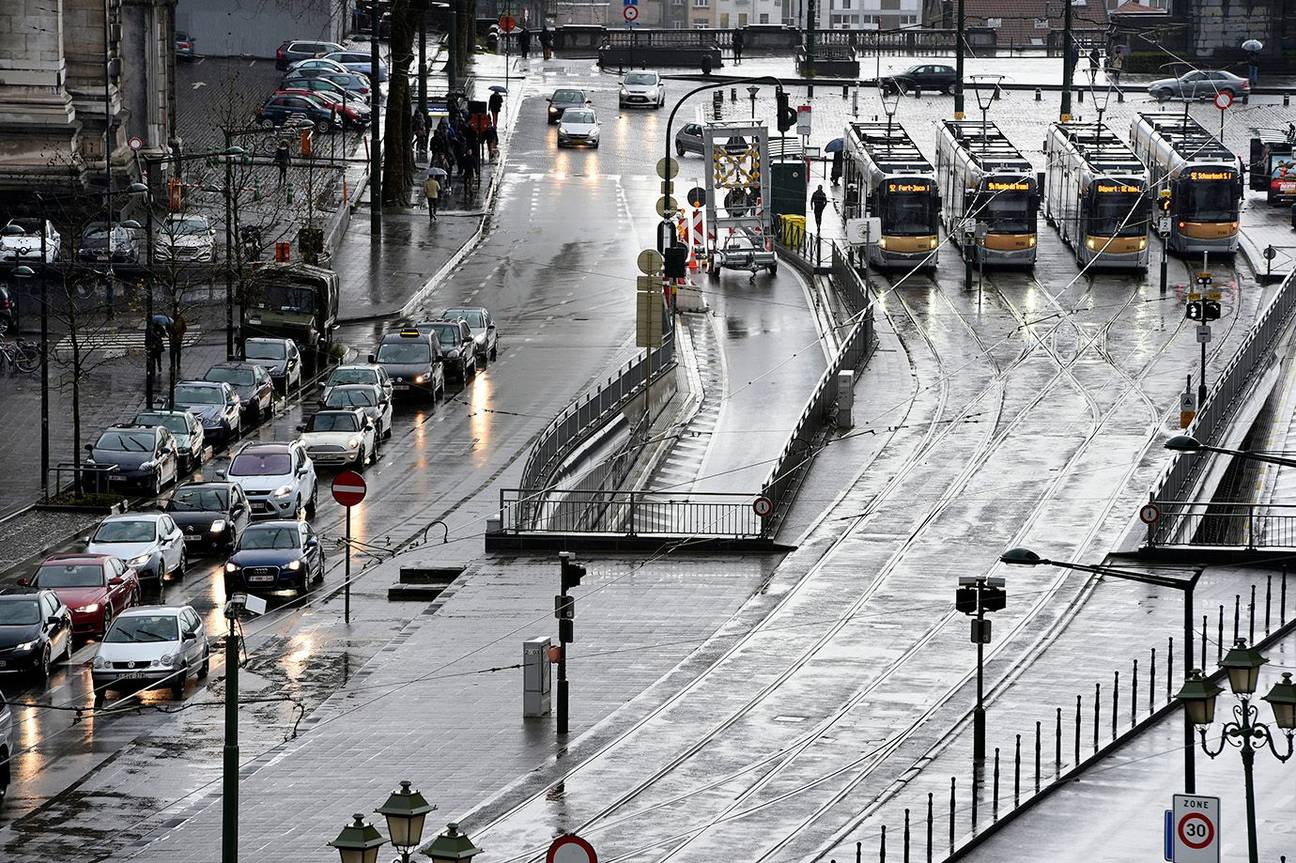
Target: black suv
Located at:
point(457, 346)
point(280, 108)
point(930, 77)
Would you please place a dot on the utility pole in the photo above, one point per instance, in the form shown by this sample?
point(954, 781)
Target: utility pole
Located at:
point(1068, 61)
point(960, 38)
point(452, 57)
point(565, 611)
point(977, 595)
point(812, 21)
point(421, 8)
point(229, 250)
point(375, 142)
point(230, 774)
point(44, 324)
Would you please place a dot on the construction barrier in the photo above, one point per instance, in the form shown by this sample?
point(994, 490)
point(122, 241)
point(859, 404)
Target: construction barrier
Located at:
point(794, 229)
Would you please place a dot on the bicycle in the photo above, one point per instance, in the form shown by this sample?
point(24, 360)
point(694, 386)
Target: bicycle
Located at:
point(20, 356)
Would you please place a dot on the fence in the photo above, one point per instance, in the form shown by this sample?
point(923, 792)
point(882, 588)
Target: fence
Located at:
point(630, 513)
point(1251, 525)
point(1214, 416)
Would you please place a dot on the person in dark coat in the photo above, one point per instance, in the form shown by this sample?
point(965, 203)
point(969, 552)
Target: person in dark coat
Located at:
point(281, 158)
point(836, 167)
point(819, 202)
point(737, 44)
point(524, 42)
point(546, 41)
point(495, 104)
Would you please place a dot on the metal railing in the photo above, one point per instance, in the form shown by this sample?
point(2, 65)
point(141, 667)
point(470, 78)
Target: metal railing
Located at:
point(1227, 523)
point(580, 419)
point(629, 513)
point(667, 38)
point(1222, 401)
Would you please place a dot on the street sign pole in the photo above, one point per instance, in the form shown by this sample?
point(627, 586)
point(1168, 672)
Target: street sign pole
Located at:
point(349, 489)
point(978, 715)
point(346, 613)
point(230, 753)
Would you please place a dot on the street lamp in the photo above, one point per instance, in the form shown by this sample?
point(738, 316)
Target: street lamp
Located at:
point(1026, 557)
point(1188, 443)
point(405, 811)
point(1242, 664)
point(25, 272)
point(452, 847)
point(141, 191)
point(358, 842)
point(890, 103)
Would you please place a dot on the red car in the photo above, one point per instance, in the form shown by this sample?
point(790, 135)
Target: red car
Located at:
point(349, 114)
point(96, 587)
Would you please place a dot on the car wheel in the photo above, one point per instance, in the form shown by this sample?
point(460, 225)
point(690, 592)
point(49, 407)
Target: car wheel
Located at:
point(205, 668)
point(1161, 95)
point(496, 347)
point(267, 124)
point(178, 684)
point(949, 89)
point(107, 621)
point(679, 151)
point(43, 668)
point(310, 505)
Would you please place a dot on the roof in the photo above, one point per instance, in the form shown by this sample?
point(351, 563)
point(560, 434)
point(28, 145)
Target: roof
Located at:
point(890, 147)
point(133, 516)
point(1029, 22)
point(1133, 7)
point(69, 556)
point(140, 610)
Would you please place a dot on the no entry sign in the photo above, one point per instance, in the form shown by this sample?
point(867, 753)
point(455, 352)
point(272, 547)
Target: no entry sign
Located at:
point(1194, 829)
point(349, 488)
point(571, 849)
point(763, 506)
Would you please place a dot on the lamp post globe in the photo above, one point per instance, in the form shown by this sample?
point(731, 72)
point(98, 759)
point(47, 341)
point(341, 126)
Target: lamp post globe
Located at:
point(1183, 443)
point(1243, 666)
point(405, 811)
point(358, 842)
point(451, 847)
point(23, 272)
point(1021, 557)
point(1198, 696)
point(137, 189)
point(1282, 699)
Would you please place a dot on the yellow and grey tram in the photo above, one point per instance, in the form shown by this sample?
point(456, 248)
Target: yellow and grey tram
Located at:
point(897, 185)
point(984, 181)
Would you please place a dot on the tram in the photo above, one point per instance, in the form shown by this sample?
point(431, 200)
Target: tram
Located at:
point(1096, 193)
point(1203, 176)
point(896, 184)
point(985, 183)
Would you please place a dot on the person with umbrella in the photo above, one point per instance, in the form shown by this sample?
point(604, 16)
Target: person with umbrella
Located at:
point(1253, 47)
point(546, 41)
point(432, 191)
point(835, 147)
point(495, 103)
point(154, 335)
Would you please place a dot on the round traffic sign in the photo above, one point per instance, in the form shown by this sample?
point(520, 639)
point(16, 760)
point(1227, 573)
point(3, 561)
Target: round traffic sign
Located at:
point(571, 848)
point(349, 488)
point(649, 262)
point(136, 143)
point(666, 206)
point(507, 23)
point(763, 506)
point(1223, 100)
point(697, 196)
point(1196, 830)
point(667, 168)
point(1150, 513)
point(1270, 253)
point(630, 13)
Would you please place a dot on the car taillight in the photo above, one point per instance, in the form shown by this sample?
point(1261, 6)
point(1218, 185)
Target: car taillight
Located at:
point(279, 55)
point(185, 45)
point(6, 305)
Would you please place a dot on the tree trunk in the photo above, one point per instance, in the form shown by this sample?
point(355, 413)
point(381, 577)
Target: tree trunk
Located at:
point(398, 144)
point(75, 336)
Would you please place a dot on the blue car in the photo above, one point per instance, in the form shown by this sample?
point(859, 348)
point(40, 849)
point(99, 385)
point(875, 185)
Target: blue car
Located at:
point(274, 556)
point(360, 62)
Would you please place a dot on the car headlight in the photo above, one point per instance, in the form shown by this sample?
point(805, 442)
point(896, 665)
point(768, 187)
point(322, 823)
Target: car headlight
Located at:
point(231, 567)
point(353, 443)
point(282, 491)
point(100, 662)
point(27, 645)
point(294, 566)
point(166, 660)
point(139, 560)
point(88, 609)
point(421, 379)
point(218, 525)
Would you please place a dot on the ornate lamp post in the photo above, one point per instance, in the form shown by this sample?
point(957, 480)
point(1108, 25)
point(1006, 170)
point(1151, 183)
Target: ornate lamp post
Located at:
point(452, 847)
point(405, 811)
point(358, 842)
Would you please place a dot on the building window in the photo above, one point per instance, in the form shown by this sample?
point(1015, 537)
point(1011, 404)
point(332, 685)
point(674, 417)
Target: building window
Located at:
point(764, 17)
point(742, 19)
point(701, 4)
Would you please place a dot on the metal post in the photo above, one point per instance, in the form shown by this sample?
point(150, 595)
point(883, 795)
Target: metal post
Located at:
point(229, 251)
point(1164, 242)
point(931, 802)
point(994, 809)
point(1248, 776)
point(1201, 383)
point(44, 326)
point(423, 69)
point(1038, 731)
point(1152, 682)
point(1251, 617)
point(1078, 718)
point(1134, 696)
point(978, 714)
point(1190, 757)
point(149, 377)
point(1068, 63)
point(230, 776)
point(375, 140)
point(1017, 772)
point(346, 608)
point(958, 61)
point(953, 797)
point(1115, 702)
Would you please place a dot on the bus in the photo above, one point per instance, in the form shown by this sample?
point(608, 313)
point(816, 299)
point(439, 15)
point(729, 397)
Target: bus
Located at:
point(896, 184)
point(985, 182)
point(1273, 166)
point(1203, 176)
point(1096, 194)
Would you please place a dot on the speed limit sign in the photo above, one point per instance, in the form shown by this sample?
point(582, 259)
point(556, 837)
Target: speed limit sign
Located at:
point(1194, 829)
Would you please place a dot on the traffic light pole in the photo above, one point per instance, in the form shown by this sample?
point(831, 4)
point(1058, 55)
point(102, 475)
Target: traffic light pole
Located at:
point(230, 771)
point(569, 576)
point(978, 715)
point(1068, 62)
point(958, 61)
point(1201, 383)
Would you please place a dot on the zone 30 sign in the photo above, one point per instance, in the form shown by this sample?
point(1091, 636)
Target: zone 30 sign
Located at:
point(1192, 830)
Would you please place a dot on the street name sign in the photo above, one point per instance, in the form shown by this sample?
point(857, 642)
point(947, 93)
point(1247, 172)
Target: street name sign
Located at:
point(1194, 829)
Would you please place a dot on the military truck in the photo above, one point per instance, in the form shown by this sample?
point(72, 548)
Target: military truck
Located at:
point(296, 301)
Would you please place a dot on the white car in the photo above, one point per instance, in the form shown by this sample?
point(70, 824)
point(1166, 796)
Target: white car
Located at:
point(340, 437)
point(278, 479)
point(643, 89)
point(20, 240)
point(376, 402)
point(185, 238)
point(319, 63)
point(149, 541)
point(279, 357)
point(151, 646)
point(578, 127)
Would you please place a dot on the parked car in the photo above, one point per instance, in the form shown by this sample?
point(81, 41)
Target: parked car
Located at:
point(211, 515)
point(376, 403)
point(355, 374)
point(185, 238)
point(1200, 84)
point(689, 139)
point(251, 382)
point(35, 631)
point(184, 46)
point(354, 110)
point(353, 84)
point(8, 312)
point(145, 456)
point(281, 109)
point(151, 646)
point(149, 541)
point(95, 587)
point(216, 405)
point(482, 328)
point(578, 127)
point(458, 350)
point(279, 357)
point(99, 243)
point(413, 361)
point(641, 88)
point(359, 61)
point(278, 479)
point(319, 63)
point(564, 98)
point(20, 240)
point(186, 429)
point(275, 555)
point(929, 77)
point(7, 750)
point(296, 50)
point(344, 436)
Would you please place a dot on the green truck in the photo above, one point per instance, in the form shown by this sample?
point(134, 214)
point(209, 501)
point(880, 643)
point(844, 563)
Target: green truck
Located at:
point(296, 301)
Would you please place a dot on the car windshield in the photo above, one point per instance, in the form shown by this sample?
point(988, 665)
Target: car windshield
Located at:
point(344, 376)
point(474, 317)
point(334, 422)
point(255, 350)
point(143, 628)
point(199, 500)
point(237, 377)
point(641, 78)
point(447, 334)
point(174, 423)
point(19, 612)
point(270, 537)
point(261, 464)
point(125, 441)
point(126, 530)
point(186, 227)
point(191, 395)
point(287, 298)
point(96, 231)
point(574, 115)
point(28, 226)
point(404, 352)
point(69, 575)
point(569, 96)
point(347, 397)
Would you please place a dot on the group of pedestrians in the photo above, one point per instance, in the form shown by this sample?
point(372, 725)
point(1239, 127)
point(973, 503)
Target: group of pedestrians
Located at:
point(545, 35)
point(457, 146)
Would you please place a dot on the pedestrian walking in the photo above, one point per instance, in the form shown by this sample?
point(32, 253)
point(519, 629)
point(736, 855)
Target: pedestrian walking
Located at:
point(153, 334)
point(524, 42)
point(281, 158)
point(1114, 65)
point(737, 43)
point(819, 202)
point(1253, 67)
point(420, 136)
point(494, 105)
point(432, 191)
point(836, 167)
point(492, 142)
point(1095, 61)
point(546, 41)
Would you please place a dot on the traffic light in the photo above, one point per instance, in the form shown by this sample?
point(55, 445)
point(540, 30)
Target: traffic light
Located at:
point(787, 117)
point(571, 573)
point(1163, 201)
point(1210, 310)
point(676, 262)
point(1196, 310)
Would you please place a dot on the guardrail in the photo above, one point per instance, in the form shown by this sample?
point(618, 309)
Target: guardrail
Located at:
point(629, 513)
point(1222, 401)
point(1227, 523)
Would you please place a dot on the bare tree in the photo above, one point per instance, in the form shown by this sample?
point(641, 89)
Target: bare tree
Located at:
point(398, 151)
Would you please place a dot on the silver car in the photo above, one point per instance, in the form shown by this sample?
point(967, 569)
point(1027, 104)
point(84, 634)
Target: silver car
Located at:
point(6, 744)
point(1200, 84)
point(151, 646)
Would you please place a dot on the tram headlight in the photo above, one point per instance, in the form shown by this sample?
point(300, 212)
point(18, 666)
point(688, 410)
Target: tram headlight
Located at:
point(1142, 244)
point(882, 243)
point(1092, 243)
point(931, 244)
point(1030, 242)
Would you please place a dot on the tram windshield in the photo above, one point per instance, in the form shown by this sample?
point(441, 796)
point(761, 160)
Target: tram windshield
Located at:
point(1007, 212)
point(1118, 210)
point(1208, 196)
point(908, 209)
